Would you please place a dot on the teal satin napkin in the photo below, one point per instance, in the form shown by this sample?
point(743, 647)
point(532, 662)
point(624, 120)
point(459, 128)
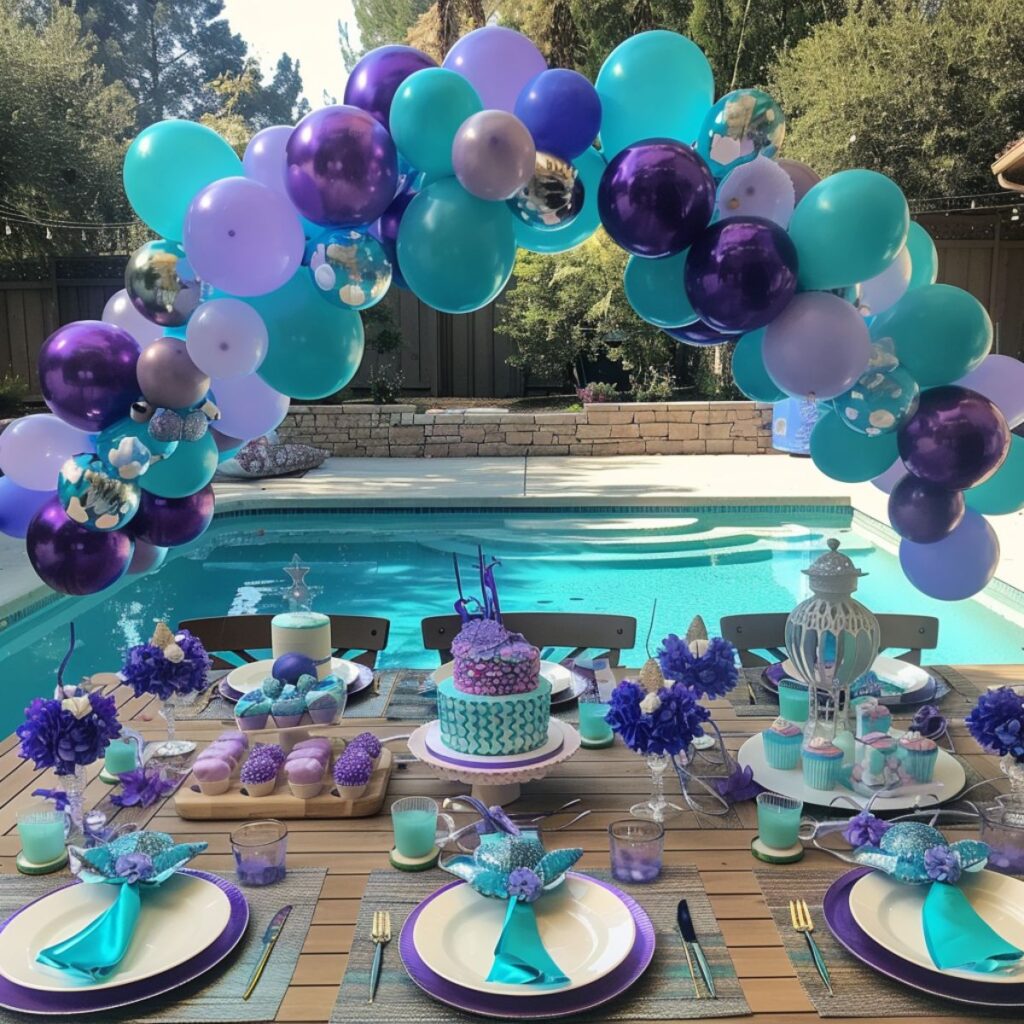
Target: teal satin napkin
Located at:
point(94, 952)
point(957, 937)
point(520, 957)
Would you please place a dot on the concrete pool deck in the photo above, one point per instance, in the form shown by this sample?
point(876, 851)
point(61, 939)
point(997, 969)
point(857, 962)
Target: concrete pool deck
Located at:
point(676, 481)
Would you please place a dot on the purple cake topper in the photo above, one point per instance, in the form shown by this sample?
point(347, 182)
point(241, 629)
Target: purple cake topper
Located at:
point(487, 607)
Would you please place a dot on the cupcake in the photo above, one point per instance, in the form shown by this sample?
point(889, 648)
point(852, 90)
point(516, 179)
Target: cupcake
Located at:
point(323, 706)
point(305, 776)
point(872, 716)
point(272, 751)
point(213, 775)
point(918, 754)
point(822, 761)
point(352, 773)
point(288, 711)
point(875, 749)
point(259, 773)
point(252, 711)
point(782, 740)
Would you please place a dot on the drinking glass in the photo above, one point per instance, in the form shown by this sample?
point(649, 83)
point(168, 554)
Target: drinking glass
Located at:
point(593, 726)
point(778, 820)
point(41, 831)
point(793, 700)
point(414, 819)
point(120, 756)
point(636, 849)
point(260, 848)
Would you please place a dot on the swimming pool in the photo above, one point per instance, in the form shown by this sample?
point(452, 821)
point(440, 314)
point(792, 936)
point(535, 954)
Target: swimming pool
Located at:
point(397, 564)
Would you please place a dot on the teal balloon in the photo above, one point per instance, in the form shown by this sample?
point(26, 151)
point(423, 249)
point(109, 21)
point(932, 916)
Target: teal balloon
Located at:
point(848, 228)
point(654, 85)
point(1003, 492)
point(117, 432)
point(590, 166)
point(226, 454)
point(188, 469)
point(843, 454)
point(655, 290)
point(748, 370)
point(167, 164)
point(315, 348)
point(940, 333)
point(426, 113)
point(924, 257)
point(456, 251)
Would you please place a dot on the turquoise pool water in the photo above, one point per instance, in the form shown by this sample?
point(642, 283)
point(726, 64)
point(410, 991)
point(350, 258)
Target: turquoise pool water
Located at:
point(398, 565)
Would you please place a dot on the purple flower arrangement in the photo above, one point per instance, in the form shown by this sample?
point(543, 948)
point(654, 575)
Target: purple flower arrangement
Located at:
point(661, 723)
point(997, 723)
point(713, 673)
point(168, 665)
point(144, 786)
point(63, 734)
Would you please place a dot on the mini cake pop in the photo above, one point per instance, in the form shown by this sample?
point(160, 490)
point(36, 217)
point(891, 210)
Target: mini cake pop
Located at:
point(259, 773)
point(352, 773)
point(369, 743)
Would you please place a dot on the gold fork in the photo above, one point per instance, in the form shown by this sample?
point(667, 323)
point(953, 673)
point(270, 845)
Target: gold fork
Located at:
point(800, 915)
point(381, 935)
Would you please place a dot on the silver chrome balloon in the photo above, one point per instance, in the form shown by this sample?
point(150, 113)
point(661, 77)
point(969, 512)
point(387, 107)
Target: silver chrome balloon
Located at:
point(162, 284)
point(552, 197)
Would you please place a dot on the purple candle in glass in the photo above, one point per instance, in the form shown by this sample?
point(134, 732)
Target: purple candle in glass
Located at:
point(260, 848)
point(636, 849)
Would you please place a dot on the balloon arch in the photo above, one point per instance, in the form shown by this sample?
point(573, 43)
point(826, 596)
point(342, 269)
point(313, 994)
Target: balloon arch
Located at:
point(430, 178)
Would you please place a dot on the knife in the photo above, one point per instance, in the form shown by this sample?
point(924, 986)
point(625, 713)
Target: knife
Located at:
point(690, 936)
point(270, 937)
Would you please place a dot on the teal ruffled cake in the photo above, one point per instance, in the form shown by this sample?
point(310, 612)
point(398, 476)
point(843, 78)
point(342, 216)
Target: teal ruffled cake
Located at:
point(475, 723)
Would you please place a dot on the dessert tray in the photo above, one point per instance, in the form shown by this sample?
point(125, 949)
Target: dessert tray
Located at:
point(249, 677)
point(495, 780)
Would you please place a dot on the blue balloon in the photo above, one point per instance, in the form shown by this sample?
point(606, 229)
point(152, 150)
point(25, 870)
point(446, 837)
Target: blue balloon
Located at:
point(18, 505)
point(655, 290)
point(188, 470)
point(574, 232)
point(562, 111)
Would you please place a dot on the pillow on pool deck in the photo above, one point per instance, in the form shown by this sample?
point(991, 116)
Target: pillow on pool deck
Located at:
point(261, 458)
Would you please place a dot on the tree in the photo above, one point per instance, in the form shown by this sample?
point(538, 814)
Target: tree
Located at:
point(63, 133)
point(386, 21)
point(924, 94)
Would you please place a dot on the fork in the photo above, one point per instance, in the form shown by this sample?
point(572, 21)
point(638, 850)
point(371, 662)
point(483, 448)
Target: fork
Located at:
point(381, 935)
point(801, 918)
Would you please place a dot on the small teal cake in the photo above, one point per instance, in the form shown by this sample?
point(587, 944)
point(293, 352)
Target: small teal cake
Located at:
point(474, 723)
point(822, 761)
point(252, 710)
point(322, 706)
point(272, 688)
point(288, 710)
point(918, 754)
point(782, 742)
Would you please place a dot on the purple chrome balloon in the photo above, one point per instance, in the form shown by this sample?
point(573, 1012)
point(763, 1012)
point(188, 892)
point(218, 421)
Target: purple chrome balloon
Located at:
point(87, 373)
point(956, 439)
point(342, 167)
point(656, 197)
point(373, 82)
point(167, 522)
point(924, 512)
point(386, 232)
point(71, 559)
point(741, 273)
point(699, 333)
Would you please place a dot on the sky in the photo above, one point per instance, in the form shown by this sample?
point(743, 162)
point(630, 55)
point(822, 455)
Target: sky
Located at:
point(305, 29)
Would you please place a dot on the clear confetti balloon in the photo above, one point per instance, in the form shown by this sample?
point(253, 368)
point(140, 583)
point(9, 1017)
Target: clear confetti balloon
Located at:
point(743, 124)
point(552, 197)
point(93, 496)
point(760, 188)
point(161, 283)
point(350, 270)
point(884, 397)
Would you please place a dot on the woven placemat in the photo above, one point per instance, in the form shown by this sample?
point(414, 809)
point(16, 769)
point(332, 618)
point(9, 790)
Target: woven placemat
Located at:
point(859, 991)
point(665, 992)
point(216, 996)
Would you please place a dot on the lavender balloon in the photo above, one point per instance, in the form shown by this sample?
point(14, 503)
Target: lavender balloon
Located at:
point(87, 373)
point(243, 237)
point(33, 449)
point(886, 481)
point(71, 559)
point(373, 82)
point(493, 155)
point(18, 505)
point(168, 522)
point(265, 158)
point(120, 312)
point(817, 346)
point(741, 273)
point(956, 439)
point(226, 338)
point(759, 188)
point(342, 167)
point(656, 197)
point(168, 378)
point(1000, 379)
point(803, 177)
point(956, 567)
point(497, 62)
point(924, 512)
point(146, 558)
point(249, 406)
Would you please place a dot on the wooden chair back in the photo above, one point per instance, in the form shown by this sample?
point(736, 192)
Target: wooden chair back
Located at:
point(607, 634)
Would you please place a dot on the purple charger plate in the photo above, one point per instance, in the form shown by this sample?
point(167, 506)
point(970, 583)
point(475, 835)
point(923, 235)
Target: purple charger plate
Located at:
point(854, 939)
point(29, 1000)
point(358, 685)
point(771, 676)
point(557, 1004)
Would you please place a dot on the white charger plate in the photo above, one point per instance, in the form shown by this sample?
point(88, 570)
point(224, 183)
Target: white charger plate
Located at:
point(890, 913)
point(557, 675)
point(177, 921)
point(948, 780)
point(250, 676)
point(908, 678)
point(587, 930)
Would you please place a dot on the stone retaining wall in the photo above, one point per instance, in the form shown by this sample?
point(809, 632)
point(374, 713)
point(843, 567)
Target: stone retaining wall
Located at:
point(657, 428)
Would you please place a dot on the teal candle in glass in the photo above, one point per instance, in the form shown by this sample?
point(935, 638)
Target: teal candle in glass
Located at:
point(120, 756)
point(41, 831)
point(778, 820)
point(793, 700)
point(593, 726)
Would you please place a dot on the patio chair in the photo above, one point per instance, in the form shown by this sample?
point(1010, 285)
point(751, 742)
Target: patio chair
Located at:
point(609, 634)
point(767, 632)
point(241, 634)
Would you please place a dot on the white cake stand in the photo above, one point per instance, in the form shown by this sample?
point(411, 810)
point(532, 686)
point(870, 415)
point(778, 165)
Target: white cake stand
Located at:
point(491, 784)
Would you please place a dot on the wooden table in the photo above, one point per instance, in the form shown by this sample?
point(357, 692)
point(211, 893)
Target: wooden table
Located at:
point(608, 781)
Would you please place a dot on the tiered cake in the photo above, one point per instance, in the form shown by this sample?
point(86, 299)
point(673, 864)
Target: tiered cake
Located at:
point(306, 633)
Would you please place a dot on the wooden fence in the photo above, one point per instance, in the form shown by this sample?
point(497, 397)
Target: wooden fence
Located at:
point(466, 355)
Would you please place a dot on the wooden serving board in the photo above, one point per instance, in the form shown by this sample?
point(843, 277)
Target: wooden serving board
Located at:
point(192, 804)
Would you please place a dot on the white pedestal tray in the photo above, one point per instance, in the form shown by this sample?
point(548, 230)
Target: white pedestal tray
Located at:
point(492, 784)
